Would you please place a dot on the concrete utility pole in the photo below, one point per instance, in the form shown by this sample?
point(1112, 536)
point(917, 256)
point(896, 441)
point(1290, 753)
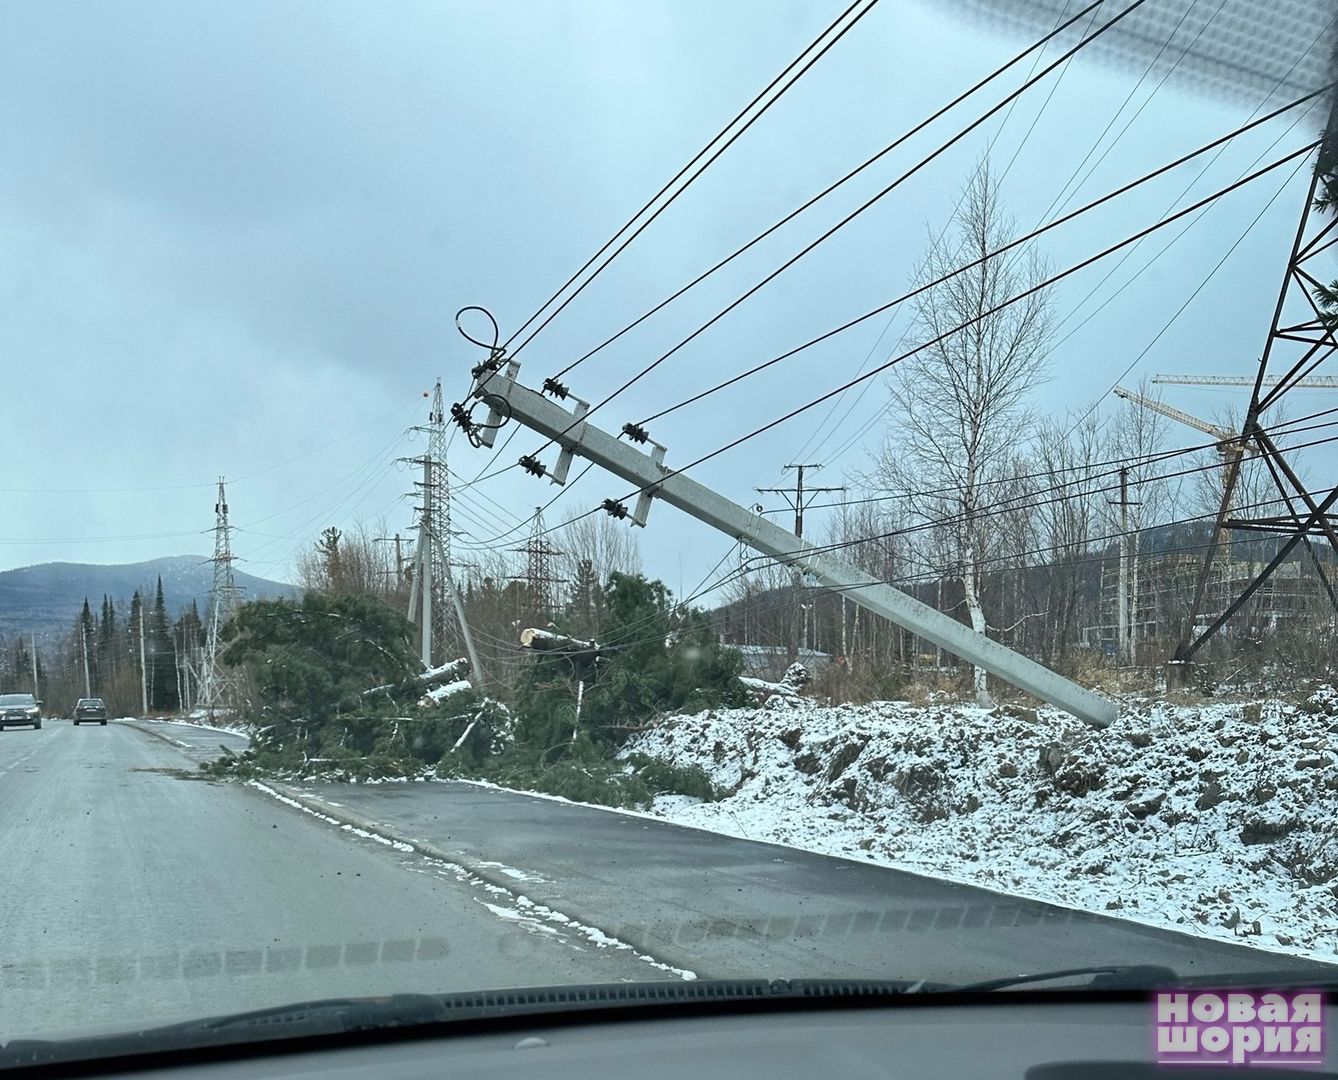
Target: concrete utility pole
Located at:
point(797, 504)
point(495, 385)
point(143, 667)
point(475, 668)
point(420, 597)
point(1124, 646)
point(36, 692)
point(83, 639)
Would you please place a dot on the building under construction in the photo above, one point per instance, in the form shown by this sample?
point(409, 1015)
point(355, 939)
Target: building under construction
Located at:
point(1291, 600)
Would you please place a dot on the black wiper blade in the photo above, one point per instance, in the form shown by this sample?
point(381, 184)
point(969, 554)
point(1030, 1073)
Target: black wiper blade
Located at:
point(1105, 977)
point(332, 1016)
point(435, 1013)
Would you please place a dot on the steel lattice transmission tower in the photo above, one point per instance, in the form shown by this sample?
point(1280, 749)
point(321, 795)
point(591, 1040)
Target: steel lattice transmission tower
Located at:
point(1303, 337)
point(217, 686)
point(437, 508)
point(433, 585)
point(540, 580)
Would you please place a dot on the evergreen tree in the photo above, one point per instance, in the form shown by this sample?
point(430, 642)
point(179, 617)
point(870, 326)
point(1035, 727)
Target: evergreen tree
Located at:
point(136, 645)
point(108, 645)
point(313, 659)
point(327, 551)
point(85, 648)
point(655, 659)
point(162, 657)
point(587, 605)
point(22, 667)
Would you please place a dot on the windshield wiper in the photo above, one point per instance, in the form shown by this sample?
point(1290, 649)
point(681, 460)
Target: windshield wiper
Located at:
point(1156, 977)
point(332, 1016)
point(329, 1020)
point(1104, 977)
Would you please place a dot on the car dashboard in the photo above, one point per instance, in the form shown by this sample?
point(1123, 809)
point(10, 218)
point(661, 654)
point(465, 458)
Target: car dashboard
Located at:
point(1013, 1036)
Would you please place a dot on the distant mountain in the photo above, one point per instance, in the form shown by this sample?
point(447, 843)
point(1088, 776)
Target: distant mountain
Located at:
point(46, 599)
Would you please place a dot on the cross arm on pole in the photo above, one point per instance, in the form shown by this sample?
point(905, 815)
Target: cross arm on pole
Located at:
point(656, 480)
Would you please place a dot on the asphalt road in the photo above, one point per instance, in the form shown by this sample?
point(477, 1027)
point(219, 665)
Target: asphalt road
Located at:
point(136, 893)
point(723, 907)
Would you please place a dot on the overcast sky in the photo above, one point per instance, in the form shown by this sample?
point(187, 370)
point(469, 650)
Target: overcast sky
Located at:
point(235, 237)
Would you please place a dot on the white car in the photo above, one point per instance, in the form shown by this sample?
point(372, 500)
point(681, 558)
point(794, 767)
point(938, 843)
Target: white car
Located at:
point(20, 710)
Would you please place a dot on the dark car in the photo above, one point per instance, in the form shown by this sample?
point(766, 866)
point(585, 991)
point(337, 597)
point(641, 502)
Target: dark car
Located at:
point(16, 709)
point(90, 709)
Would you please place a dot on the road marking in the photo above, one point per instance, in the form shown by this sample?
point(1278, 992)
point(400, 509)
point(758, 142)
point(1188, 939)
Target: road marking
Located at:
point(15, 762)
point(518, 908)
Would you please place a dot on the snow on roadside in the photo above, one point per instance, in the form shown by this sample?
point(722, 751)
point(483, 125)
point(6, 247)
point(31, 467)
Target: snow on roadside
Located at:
point(198, 719)
point(1208, 820)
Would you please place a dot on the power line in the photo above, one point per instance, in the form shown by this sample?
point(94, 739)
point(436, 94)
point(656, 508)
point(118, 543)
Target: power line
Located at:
point(484, 474)
point(697, 157)
point(843, 180)
point(1054, 87)
point(1204, 283)
point(1004, 559)
point(1063, 191)
point(1046, 283)
point(863, 429)
point(1115, 463)
point(961, 197)
point(977, 262)
point(855, 213)
point(1010, 506)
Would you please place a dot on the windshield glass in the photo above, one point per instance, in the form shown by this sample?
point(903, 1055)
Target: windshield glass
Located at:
point(457, 536)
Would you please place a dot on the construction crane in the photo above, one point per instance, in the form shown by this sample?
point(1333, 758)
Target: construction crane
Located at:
point(1227, 441)
point(1310, 382)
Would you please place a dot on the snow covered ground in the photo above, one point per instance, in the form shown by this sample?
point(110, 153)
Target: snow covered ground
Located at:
point(200, 718)
point(1215, 819)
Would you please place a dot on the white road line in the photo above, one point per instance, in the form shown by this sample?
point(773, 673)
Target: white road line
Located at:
point(519, 908)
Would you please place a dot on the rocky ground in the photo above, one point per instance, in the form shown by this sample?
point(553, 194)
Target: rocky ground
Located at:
point(1215, 819)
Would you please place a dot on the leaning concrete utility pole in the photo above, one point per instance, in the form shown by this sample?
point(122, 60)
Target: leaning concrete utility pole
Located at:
point(495, 385)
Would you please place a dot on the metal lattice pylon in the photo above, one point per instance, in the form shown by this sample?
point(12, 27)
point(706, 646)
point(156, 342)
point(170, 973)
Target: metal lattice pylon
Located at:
point(438, 520)
point(217, 685)
point(540, 580)
point(1300, 340)
point(442, 627)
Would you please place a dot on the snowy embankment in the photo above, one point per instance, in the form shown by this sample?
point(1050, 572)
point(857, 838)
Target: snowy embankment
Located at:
point(1215, 820)
point(222, 721)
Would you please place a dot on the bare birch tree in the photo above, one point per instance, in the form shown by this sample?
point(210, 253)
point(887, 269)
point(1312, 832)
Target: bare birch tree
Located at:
point(960, 408)
point(606, 544)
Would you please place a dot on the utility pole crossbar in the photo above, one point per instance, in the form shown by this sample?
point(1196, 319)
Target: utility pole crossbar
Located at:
point(578, 436)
